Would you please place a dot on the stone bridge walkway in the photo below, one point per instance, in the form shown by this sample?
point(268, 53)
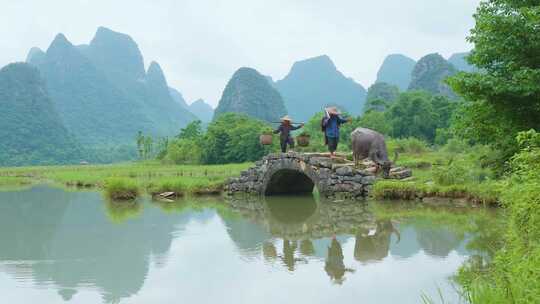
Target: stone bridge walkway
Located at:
point(297, 173)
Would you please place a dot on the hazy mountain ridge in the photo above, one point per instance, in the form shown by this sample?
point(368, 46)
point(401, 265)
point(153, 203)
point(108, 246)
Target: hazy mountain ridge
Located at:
point(459, 61)
point(103, 93)
point(429, 74)
point(250, 93)
point(315, 83)
point(396, 69)
point(178, 97)
point(202, 110)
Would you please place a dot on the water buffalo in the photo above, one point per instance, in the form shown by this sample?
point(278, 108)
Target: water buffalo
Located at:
point(369, 143)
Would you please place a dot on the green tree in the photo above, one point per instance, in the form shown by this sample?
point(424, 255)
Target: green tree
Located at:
point(380, 95)
point(148, 145)
point(376, 121)
point(184, 151)
point(192, 131)
point(413, 116)
point(233, 138)
point(504, 96)
point(140, 144)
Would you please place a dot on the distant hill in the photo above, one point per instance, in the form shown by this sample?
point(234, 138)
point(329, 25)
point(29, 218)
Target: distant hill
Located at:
point(31, 131)
point(396, 69)
point(91, 106)
point(250, 93)
point(202, 110)
point(103, 93)
point(178, 97)
point(429, 74)
point(315, 83)
point(119, 57)
point(458, 60)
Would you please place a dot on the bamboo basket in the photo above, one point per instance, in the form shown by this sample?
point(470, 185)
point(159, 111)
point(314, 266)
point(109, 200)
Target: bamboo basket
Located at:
point(302, 140)
point(265, 139)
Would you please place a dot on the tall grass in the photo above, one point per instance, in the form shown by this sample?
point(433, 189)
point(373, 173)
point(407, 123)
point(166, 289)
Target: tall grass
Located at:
point(121, 188)
point(149, 175)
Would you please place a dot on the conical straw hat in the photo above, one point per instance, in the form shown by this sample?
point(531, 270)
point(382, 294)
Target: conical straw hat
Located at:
point(286, 118)
point(332, 110)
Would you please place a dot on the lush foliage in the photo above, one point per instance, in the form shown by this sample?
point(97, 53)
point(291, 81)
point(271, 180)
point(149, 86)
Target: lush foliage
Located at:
point(121, 188)
point(419, 114)
point(441, 173)
point(380, 95)
point(152, 176)
point(504, 96)
point(231, 138)
point(31, 131)
point(513, 276)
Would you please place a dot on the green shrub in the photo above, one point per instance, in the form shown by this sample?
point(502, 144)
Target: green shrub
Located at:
point(121, 188)
point(408, 145)
point(459, 172)
point(178, 186)
point(514, 274)
point(183, 151)
point(455, 145)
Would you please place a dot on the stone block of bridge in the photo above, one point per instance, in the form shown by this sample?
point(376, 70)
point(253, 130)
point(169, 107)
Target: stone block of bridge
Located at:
point(298, 173)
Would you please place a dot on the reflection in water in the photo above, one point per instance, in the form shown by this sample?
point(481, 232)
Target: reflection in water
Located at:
point(75, 242)
point(120, 211)
point(373, 244)
point(334, 265)
point(67, 240)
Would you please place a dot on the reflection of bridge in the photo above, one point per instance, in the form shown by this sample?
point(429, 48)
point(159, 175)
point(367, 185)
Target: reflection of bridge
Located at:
point(304, 228)
point(301, 217)
point(299, 173)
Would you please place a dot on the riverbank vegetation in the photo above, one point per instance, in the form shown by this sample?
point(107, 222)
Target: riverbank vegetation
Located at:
point(503, 110)
point(148, 176)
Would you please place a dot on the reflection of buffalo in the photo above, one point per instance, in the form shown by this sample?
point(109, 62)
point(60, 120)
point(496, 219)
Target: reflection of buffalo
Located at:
point(373, 244)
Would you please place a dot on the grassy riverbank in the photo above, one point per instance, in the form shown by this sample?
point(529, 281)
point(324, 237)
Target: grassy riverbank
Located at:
point(128, 178)
point(450, 172)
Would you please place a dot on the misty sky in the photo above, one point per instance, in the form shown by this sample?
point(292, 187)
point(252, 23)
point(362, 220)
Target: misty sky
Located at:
point(200, 43)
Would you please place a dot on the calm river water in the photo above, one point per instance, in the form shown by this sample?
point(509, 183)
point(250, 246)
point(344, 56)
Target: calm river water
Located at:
point(77, 247)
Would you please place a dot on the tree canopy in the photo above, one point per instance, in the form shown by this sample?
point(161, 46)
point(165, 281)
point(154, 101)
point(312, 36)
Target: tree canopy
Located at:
point(504, 95)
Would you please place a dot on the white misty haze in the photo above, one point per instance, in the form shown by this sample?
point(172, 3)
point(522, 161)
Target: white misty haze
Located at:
point(200, 43)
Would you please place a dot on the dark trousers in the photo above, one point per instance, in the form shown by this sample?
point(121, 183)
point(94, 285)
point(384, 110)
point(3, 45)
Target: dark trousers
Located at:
point(287, 141)
point(332, 143)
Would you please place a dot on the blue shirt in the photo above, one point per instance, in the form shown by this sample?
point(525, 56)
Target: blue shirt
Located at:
point(332, 125)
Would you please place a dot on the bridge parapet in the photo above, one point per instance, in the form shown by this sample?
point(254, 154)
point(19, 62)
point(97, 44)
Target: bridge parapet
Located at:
point(294, 173)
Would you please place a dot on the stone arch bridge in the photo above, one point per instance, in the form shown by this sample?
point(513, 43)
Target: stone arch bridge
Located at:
point(297, 173)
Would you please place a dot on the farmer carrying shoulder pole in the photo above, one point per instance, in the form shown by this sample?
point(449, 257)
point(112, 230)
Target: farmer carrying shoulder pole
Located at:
point(331, 123)
point(285, 129)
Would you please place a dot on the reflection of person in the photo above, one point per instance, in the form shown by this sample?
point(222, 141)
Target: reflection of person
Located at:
point(269, 251)
point(67, 294)
point(334, 265)
point(285, 129)
point(374, 244)
point(331, 123)
point(307, 248)
point(289, 247)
